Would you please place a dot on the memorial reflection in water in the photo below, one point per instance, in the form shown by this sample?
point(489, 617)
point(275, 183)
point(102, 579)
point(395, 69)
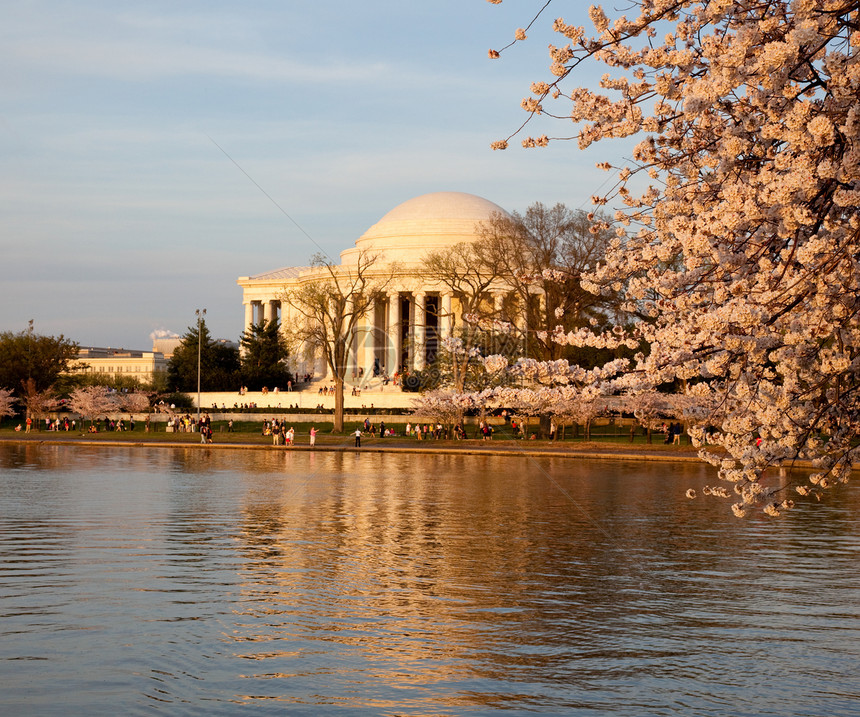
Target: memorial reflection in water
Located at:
point(222, 581)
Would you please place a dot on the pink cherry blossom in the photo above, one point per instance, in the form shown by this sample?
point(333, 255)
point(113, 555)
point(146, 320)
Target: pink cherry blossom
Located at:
point(737, 217)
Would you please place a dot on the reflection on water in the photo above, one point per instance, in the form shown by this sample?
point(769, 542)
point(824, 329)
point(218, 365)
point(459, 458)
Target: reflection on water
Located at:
point(221, 582)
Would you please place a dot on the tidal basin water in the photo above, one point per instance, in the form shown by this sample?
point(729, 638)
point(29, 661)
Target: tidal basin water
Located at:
point(206, 582)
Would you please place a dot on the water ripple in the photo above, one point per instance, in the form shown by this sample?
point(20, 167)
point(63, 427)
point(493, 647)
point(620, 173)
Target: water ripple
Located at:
point(164, 581)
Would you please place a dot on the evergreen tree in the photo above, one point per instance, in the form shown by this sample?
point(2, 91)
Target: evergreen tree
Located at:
point(263, 358)
point(219, 363)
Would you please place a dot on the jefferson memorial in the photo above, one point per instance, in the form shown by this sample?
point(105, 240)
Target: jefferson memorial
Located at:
point(405, 323)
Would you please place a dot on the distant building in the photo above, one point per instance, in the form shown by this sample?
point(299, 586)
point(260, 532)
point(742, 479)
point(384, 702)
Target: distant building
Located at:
point(114, 363)
point(403, 328)
point(166, 345)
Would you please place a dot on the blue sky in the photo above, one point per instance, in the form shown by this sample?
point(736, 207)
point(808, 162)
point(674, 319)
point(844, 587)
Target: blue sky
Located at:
point(119, 215)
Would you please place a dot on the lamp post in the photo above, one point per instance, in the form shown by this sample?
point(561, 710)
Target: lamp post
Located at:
point(29, 364)
point(200, 314)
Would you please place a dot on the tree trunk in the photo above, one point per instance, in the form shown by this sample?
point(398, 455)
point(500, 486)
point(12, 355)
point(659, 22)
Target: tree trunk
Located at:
point(544, 426)
point(338, 405)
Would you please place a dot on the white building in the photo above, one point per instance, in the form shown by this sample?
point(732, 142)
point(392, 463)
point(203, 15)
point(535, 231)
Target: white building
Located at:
point(403, 329)
point(166, 345)
point(144, 366)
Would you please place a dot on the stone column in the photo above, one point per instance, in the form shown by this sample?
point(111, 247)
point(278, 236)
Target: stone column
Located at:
point(418, 333)
point(368, 340)
point(446, 318)
point(392, 338)
point(249, 316)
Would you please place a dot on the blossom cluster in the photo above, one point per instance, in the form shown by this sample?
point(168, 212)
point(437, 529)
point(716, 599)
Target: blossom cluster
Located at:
point(741, 249)
point(7, 402)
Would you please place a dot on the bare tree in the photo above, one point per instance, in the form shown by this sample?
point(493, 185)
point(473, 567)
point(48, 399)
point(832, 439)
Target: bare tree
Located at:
point(470, 271)
point(542, 254)
point(327, 308)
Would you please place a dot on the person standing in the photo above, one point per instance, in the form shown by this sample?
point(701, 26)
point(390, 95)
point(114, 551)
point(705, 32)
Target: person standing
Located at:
point(358, 437)
point(313, 436)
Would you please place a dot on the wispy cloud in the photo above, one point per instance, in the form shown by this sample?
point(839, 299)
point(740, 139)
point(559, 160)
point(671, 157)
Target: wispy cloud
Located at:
point(110, 188)
point(152, 60)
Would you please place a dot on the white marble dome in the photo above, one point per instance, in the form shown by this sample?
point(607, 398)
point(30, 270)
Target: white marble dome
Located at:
point(426, 223)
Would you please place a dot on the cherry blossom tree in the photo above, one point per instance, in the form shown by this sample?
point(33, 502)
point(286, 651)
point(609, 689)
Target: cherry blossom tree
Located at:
point(93, 401)
point(7, 402)
point(738, 229)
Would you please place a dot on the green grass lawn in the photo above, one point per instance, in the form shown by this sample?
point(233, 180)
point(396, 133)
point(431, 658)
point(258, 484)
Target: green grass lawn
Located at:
point(251, 432)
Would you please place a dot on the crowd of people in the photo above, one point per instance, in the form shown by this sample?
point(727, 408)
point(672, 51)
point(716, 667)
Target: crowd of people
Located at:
point(283, 436)
point(188, 424)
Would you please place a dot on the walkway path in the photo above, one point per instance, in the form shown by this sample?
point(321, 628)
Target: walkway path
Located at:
point(541, 449)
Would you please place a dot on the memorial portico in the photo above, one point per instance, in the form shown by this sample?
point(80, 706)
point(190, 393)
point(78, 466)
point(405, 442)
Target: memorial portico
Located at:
point(404, 324)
